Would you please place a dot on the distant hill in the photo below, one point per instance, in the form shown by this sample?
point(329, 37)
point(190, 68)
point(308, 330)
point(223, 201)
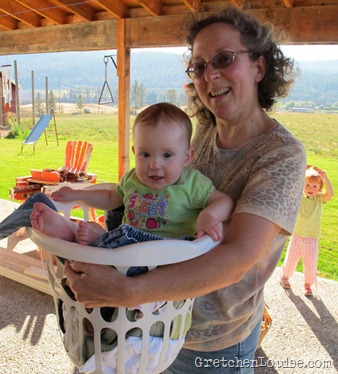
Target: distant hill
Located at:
point(157, 71)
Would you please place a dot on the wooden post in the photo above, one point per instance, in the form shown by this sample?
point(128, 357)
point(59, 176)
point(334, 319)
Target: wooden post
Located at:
point(47, 107)
point(47, 103)
point(1, 104)
point(18, 117)
point(123, 74)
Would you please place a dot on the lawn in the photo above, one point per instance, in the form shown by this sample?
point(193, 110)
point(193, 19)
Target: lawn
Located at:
point(318, 133)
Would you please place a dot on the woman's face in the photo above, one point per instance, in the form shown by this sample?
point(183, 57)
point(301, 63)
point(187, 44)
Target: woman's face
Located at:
point(230, 92)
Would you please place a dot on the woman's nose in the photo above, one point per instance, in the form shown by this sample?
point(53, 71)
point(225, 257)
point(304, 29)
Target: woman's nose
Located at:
point(211, 73)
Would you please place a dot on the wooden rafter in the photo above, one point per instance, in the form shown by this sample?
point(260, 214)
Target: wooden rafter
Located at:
point(44, 9)
point(114, 7)
point(8, 23)
point(83, 11)
point(20, 13)
point(237, 3)
point(288, 3)
point(152, 6)
point(192, 5)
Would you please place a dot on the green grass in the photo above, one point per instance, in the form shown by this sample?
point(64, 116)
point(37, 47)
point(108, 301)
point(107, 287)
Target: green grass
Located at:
point(318, 133)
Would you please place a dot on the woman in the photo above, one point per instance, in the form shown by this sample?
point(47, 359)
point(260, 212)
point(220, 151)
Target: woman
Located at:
point(237, 71)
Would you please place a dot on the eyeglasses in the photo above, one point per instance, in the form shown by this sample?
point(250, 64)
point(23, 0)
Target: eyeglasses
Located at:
point(222, 60)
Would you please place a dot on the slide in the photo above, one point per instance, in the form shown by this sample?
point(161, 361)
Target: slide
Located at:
point(37, 130)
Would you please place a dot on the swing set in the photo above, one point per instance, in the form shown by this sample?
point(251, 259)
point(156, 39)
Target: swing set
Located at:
point(106, 96)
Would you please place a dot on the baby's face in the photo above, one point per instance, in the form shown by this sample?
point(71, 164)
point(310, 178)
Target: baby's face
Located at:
point(311, 188)
point(161, 152)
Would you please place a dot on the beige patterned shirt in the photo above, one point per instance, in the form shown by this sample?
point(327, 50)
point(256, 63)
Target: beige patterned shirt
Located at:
point(264, 178)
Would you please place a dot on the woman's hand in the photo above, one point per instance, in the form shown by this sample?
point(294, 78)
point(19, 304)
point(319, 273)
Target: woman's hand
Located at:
point(97, 285)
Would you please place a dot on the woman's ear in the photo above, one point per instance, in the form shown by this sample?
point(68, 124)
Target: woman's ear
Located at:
point(189, 156)
point(261, 68)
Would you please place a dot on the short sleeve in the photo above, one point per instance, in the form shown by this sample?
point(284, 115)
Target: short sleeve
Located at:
point(275, 185)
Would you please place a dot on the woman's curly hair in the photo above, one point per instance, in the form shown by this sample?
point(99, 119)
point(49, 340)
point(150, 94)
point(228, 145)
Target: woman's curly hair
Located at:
point(258, 39)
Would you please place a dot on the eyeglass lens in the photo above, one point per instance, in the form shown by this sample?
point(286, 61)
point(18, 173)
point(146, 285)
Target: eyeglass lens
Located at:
point(220, 61)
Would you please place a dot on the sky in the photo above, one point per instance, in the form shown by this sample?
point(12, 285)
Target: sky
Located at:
point(298, 52)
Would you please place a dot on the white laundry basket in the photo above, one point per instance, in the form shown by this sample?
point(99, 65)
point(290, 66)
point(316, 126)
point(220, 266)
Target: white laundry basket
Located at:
point(74, 317)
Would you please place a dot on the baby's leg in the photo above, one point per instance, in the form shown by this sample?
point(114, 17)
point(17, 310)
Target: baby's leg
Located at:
point(88, 232)
point(52, 223)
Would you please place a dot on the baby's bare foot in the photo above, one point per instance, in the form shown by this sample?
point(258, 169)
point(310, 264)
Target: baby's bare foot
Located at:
point(88, 232)
point(51, 222)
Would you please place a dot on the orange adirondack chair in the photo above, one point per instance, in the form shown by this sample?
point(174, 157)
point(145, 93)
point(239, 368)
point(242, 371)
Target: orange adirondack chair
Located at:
point(77, 156)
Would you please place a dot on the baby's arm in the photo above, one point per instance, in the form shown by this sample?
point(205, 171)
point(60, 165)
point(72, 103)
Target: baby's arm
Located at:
point(218, 210)
point(328, 186)
point(100, 199)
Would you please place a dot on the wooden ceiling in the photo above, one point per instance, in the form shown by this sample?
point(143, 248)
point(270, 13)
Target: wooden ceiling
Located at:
point(31, 26)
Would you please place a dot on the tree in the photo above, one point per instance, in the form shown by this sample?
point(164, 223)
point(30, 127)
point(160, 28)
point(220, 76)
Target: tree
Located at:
point(171, 96)
point(138, 93)
point(38, 105)
point(79, 103)
point(51, 101)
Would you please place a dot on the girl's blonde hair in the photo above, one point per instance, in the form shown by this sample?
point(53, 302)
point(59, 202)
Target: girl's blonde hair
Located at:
point(313, 176)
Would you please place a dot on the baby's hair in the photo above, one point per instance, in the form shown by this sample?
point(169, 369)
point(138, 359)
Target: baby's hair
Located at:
point(168, 113)
point(313, 176)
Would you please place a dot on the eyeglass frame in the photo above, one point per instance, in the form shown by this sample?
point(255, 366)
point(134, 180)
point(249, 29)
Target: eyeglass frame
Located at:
point(206, 63)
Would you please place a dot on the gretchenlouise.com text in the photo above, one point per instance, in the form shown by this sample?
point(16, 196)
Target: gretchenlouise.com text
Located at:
point(287, 363)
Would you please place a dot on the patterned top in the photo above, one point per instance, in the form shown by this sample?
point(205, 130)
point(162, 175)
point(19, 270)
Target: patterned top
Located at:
point(170, 212)
point(264, 178)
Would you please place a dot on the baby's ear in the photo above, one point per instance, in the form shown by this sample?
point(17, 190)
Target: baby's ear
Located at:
point(190, 156)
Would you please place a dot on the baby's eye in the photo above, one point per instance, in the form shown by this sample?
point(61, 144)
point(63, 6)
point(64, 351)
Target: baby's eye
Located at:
point(145, 154)
point(167, 155)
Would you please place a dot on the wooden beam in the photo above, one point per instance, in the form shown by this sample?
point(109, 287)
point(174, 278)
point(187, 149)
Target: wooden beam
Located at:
point(320, 26)
point(153, 31)
point(123, 73)
point(98, 35)
point(24, 269)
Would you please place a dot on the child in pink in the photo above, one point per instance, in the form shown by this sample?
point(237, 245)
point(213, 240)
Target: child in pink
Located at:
point(304, 240)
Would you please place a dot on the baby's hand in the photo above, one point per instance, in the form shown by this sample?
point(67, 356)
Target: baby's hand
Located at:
point(64, 195)
point(207, 225)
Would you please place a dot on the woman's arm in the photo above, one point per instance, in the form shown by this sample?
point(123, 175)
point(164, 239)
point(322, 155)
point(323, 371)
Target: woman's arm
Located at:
point(247, 240)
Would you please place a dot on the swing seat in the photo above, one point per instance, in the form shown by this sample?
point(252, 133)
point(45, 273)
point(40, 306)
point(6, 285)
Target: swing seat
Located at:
point(157, 337)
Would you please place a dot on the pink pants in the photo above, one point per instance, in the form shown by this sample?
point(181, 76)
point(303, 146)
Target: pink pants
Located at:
point(305, 249)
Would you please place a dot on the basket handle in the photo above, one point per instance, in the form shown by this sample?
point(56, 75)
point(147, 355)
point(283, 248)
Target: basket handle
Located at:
point(151, 253)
